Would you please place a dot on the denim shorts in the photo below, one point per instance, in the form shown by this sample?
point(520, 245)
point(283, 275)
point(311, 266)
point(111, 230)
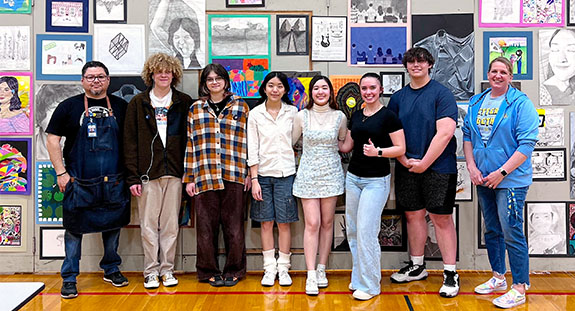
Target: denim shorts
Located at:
point(278, 202)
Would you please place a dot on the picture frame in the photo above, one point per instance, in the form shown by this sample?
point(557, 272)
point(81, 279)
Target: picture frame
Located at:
point(61, 57)
point(52, 245)
point(362, 12)
point(553, 73)
point(549, 164)
point(393, 233)
point(431, 251)
point(121, 47)
point(461, 114)
point(521, 13)
point(16, 154)
point(67, 15)
point(340, 242)
point(292, 34)
point(11, 7)
point(546, 228)
point(570, 19)
point(571, 230)
point(334, 49)
point(17, 49)
point(377, 46)
point(515, 45)
point(47, 195)
point(110, 12)
point(392, 81)
point(464, 188)
point(245, 3)
point(480, 229)
point(21, 85)
point(13, 221)
point(551, 127)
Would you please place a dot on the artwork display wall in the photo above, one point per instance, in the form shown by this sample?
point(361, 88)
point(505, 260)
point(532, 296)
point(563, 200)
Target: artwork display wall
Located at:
point(15, 159)
point(13, 225)
point(15, 46)
point(16, 103)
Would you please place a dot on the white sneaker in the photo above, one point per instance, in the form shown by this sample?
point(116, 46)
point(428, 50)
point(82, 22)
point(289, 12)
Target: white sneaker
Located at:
point(351, 287)
point(151, 281)
point(512, 298)
point(284, 278)
point(311, 286)
point(492, 285)
point(361, 295)
point(450, 287)
point(321, 279)
point(169, 279)
point(269, 277)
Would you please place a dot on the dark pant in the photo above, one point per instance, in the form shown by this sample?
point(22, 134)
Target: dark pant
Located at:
point(73, 246)
point(225, 208)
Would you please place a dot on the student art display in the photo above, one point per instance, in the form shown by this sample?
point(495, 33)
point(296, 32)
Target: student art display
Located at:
point(110, 11)
point(464, 188)
point(517, 46)
point(246, 75)
point(461, 114)
point(16, 7)
point(239, 35)
point(393, 232)
point(572, 155)
point(14, 166)
point(338, 81)
point(177, 28)
point(377, 45)
point(392, 82)
point(549, 164)
point(521, 13)
point(329, 38)
point(299, 87)
point(570, 12)
point(551, 122)
point(556, 66)
point(292, 34)
point(480, 230)
point(48, 197)
point(12, 225)
point(126, 87)
point(61, 57)
point(340, 242)
point(571, 237)
point(16, 107)
point(545, 226)
point(431, 251)
point(378, 11)
point(245, 3)
point(121, 47)
point(52, 245)
point(67, 15)
point(15, 46)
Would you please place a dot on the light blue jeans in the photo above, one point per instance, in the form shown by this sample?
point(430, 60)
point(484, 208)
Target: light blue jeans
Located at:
point(365, 198)
point(503, 214)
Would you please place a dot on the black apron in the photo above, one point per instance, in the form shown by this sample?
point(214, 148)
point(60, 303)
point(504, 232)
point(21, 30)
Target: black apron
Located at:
point(96, 199)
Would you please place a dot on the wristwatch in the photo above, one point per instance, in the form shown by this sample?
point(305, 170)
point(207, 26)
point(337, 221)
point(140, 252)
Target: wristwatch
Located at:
point(503, 172)
point(379, 152)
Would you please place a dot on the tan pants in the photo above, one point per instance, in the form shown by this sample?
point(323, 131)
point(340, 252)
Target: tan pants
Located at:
point(159, 207)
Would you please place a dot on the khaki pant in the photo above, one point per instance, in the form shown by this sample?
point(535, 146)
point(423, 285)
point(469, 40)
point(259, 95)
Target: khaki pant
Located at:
point(159, 207)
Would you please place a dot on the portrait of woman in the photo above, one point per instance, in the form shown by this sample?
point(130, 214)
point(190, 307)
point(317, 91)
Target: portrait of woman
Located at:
point(181, 38)
point(14, 117)
point(558, 87)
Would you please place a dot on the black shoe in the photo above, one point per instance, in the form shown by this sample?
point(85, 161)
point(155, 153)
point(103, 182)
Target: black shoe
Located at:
point(231, 281)
point(409, 273)
point(117, 279)
point(218, 281)
point(450, 286)
point(69, 290)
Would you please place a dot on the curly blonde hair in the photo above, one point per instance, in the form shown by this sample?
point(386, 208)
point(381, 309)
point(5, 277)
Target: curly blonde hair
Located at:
point(159, 62)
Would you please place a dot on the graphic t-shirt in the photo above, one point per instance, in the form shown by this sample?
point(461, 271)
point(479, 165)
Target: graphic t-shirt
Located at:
point(486, 115)
point(161, 106)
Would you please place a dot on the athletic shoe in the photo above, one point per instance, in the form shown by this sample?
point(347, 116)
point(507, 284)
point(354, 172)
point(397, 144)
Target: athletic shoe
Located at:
point(169, 279)
point(450, 286)
point(321, 278)
point(492, 285)
point(351, 287)
point(117, 279)
point(361, 295)
point(409, 273)
point(69, 290)
point(284, 278)
point(269, 277)
point(151, 281)
point(311, 287)
point(512, 298)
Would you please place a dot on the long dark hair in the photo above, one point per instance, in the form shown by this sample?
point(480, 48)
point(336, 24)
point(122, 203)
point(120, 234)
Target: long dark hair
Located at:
point(190, 25)
point(218, 69)
point(283, 79)
point(332, 103)
point(12, 83)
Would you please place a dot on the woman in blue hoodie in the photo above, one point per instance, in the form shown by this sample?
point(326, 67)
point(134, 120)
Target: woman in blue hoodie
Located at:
point(499, 134)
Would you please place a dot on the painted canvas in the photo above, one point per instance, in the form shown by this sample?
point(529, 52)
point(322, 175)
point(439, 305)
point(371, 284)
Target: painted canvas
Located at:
point(299, 86)
point(15, 166)
point(546, 231)
point(12, 226)
point(377, 45)
point(121, 47)
point(239, 35)
point(48, 196)
point(571, 246)
point(338, 81)
point(15, 43)
point(246, 75)
point(16, 107)
point(515, 46)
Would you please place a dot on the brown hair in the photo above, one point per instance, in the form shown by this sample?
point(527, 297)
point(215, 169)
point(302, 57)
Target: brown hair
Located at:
point(332, 103)
point(219, 70)
point(504, 61)
point(159, 62)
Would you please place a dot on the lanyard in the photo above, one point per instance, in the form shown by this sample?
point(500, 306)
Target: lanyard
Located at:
point(111, 113)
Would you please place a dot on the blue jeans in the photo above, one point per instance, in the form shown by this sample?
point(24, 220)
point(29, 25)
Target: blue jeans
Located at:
point(365, 199)
point(503, 214)
point(73, 245)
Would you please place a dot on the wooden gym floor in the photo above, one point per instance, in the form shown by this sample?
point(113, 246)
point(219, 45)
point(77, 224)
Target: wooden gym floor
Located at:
point(554, 291)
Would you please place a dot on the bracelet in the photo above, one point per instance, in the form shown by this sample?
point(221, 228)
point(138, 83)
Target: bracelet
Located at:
point(254, 178)
point(62, 174)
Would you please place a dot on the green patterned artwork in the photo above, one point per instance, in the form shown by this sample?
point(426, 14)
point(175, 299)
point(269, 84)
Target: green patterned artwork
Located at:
point(48, 196)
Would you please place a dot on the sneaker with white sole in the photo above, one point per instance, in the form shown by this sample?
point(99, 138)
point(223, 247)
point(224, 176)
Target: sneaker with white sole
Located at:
point(512, 298)
point(321, 278)
point(450, 287)
point(492, 285)
point(151, 281)
point(284, 278)
point(269, 277)
point(351, 287)
point(169, 279)
point(361, 295)
point(411, 272)
point(311, 287)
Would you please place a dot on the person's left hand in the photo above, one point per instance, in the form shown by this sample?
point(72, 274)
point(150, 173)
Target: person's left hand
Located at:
point(417, 166)
point(247, 183)
point(493, 179)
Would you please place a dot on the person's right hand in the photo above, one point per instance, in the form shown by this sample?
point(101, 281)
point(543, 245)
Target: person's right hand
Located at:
point(256, 190)
point(63, 181)
point(191, 189)
point(136, 190)
point(475, 175)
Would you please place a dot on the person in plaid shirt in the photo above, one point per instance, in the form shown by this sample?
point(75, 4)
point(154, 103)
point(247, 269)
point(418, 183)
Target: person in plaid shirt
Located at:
point(216, 175)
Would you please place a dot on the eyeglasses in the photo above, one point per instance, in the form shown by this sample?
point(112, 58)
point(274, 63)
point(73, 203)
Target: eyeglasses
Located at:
point(93, 78)
point(215, 80)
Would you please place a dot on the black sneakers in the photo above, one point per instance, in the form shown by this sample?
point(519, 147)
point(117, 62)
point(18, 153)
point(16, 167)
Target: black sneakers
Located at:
point(69, 290)
point(450, 286)
point(409, 273)
point(117, 279)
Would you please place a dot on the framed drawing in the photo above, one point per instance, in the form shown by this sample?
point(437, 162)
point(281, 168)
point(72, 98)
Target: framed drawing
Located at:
point(47, 195)
point(239, 36)
point(13, 224)
point(382, 13)
point(570, 20)
point(16, 7)
point(464, 189)
point(16, 107)
point(392, 82)
point(244, 3)
point(393, 232)
point(521, 13)
point(15, 156)
point(480, 229)
point(67, 15)
point(52, 243)
point(377, 46)
point(121, 47)
point(111, 11)
point(61, 57)
point(555, 69)
point(431, 250)
point(517, 46)
point(292, 35)
point(551, 122)
point(571, 225)
point(340, 243)
point(545, 225)
point(16, 48)
point(549, 164)
point(329, 38)
point(461, 113)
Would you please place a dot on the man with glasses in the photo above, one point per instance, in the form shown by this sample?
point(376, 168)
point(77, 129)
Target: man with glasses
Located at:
point(90, 173)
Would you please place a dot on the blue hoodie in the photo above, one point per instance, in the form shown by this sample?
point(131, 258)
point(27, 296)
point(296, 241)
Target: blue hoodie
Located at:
point(515, 128)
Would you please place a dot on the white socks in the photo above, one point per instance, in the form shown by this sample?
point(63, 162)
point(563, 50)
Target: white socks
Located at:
point(449, 267)
point(417, 260)
point(269, 259)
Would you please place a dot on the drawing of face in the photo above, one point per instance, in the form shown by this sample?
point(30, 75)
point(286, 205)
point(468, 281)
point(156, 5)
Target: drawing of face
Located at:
point(562, 54)
point(5, 93)
point(184, 42)
point(541, 221)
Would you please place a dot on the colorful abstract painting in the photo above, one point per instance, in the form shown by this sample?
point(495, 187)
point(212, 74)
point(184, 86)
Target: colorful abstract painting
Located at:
point(246, 75)
point(571, 246)
point(48, 196)
point(16, 103)
point(16, 6)
point(12, 218)
point(299, 87)
point(14, 169)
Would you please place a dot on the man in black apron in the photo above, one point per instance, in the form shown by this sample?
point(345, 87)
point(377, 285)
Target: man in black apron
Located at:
point(90, 173)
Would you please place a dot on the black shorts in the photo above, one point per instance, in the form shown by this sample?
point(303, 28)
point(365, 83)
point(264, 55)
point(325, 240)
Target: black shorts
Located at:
point(430, 190)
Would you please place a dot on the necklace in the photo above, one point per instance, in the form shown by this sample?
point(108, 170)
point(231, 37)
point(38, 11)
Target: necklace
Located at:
point(367, 115)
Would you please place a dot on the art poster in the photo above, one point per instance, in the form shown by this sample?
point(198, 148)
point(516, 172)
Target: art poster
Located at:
point(15, 46)
point(393, 232)
point(521, 13)
point(392, 82)
point(246, 75)
point(572, 155)
point(461, 114)
point(110, 11)
point(239, 35)
point(66, 13)
point(14, 166)
point(464, 188)
point(121, 47)
point(16, 7)
point(16, 107)
point(451, 40)
point(571, 246)
point(49, 199)
point(329, 38)
point(340, 242)
point(556, 66)
point(292, 35)
point(570, 12)
point(517, 46)
point(299, 87)
point(551, 122)
point(52, 244)
point(377, 45)
point(12, 225)
point(61, 57)
point(338, 81)
point(378, 12)
point(431, 251)
point(126, 87)
point(177, 27)
point(546, 231)
point(548, 164)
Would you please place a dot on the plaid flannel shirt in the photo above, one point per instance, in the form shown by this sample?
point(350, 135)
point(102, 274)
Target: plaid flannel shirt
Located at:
point(216, 149)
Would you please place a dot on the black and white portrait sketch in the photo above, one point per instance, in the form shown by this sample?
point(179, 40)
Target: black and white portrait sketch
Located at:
point(110, 11)
point(378, 11)
point(177, 27)
point(551, 131)
point(240, 36)
point(48, 96)
point(339, 234)
point(548, 164)
point(464, 189)
point(292, 35)
point(431, 251)
point(121, 47)
point(14, 48)
point(461, 113)
point(557, 66)
point(546, 228)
